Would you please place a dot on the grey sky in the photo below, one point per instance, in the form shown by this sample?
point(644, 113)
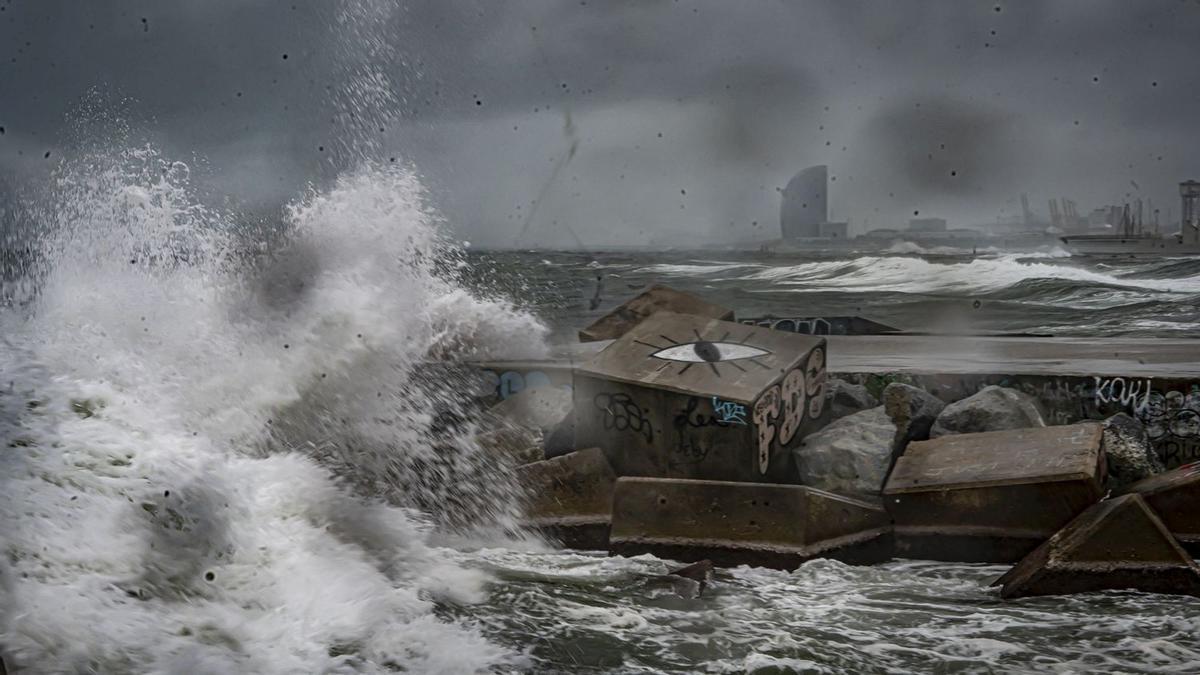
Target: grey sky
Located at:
point(685, 117)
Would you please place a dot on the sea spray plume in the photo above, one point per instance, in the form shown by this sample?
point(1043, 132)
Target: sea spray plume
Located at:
point(143, 525)
point(380, 418)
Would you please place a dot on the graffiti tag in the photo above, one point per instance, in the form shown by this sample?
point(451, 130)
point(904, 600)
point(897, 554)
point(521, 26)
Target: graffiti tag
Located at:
point(622, 413)
point(729, 412)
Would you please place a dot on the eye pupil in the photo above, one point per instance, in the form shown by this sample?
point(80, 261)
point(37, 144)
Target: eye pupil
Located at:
point(707, 351)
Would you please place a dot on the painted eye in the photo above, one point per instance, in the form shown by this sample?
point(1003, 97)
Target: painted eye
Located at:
point(702, 351)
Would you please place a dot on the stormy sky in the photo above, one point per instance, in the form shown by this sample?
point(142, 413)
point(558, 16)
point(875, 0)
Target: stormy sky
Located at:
point(652, 122)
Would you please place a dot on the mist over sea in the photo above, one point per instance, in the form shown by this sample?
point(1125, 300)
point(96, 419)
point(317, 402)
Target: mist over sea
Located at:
point(1044, 292)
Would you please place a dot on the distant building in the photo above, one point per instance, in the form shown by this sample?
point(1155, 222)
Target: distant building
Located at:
point(805, 204)
point(834, 230)
point(927, 225)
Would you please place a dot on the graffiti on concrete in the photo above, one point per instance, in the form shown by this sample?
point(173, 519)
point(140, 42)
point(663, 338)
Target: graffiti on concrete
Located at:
point(779, 411)
point(622, 413)
point(1131, 394)
point(805, 326)
point(729, 412)
point(692, 417)
point(1171, 418)
point(512, 382)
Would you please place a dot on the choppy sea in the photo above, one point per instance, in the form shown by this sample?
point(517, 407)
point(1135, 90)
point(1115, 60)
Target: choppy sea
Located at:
point(219, 452)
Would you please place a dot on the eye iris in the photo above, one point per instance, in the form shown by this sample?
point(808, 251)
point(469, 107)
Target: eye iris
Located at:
point(707, 351)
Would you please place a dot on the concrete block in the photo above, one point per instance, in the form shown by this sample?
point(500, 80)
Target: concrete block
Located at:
point(569, 498)
point(683, 396)
point(1117, 544)
point(992, 496)
point(657, 299)
point(1175, 497)
point(761, 524)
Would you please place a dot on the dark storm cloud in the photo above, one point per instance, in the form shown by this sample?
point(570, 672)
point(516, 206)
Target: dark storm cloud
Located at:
point(938, 145)
point(684, 116)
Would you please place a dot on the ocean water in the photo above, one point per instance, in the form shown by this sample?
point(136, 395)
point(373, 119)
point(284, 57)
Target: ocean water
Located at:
point(1044, 291)
point(222, 449)
point(218, 458)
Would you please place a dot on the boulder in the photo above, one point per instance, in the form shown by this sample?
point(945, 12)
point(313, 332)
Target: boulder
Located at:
point(1116, 544)
point(992, 496)
point(758, 524)
point(851, 456)
point(519, 444)
point(1131, 458)
point(561, 439)
point(1175, 498)
point(692, 579)
point(845, 398)
point(569, 498)
point(992, 408)
point(656, 299)
point(538, 408)
point(912, 411)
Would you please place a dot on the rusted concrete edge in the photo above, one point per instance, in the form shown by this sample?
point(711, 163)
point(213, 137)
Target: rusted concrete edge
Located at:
point(764, 547)
point(569, 521)
point(1004, 482)
point(971, 531)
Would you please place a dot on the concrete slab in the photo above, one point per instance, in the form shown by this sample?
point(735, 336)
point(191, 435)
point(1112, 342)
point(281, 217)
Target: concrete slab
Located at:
point(657, 299)
point(761, 524)
point(993, 496)
point(683, 396)
point(821, 325)
point(1116, 544)
point(569, 498)
point(1175, 497)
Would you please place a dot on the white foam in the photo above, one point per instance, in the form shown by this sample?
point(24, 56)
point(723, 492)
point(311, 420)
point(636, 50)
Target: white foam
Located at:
point(154, 516)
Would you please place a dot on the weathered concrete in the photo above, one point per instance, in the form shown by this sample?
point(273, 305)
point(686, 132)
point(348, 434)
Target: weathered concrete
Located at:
point(539, 408)
point(846, 399)
point(561, 439)
point(657, 299)
point(1157, 381)
point(688, 397)
point(912, 411)
point(991, 409)
point(851, 456)
point(994, 496)
point(760, 524)
point(569, 498)
point(1175, 497)
point(519, 444)
point(693, 579)
point(821, 325)
point(1130, 456)
point(1117, 544)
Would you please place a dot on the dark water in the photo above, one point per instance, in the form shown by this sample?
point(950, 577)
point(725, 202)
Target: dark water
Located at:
point(1044, 293)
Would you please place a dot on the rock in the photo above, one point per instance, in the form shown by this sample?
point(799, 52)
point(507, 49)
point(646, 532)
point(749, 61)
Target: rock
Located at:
point(658, 298)
point(519, 444)
point(992, 408)
point(731, 524)
point(685, 396)
point(851, 456)
point(1175, 498)
point(1116, 544)
point(561, 439)
point(993, 496)
point(569, 498)
point(538, 408)
point(696, 578)
point(845, 398)
point(1130, 456)
point(912, 410)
